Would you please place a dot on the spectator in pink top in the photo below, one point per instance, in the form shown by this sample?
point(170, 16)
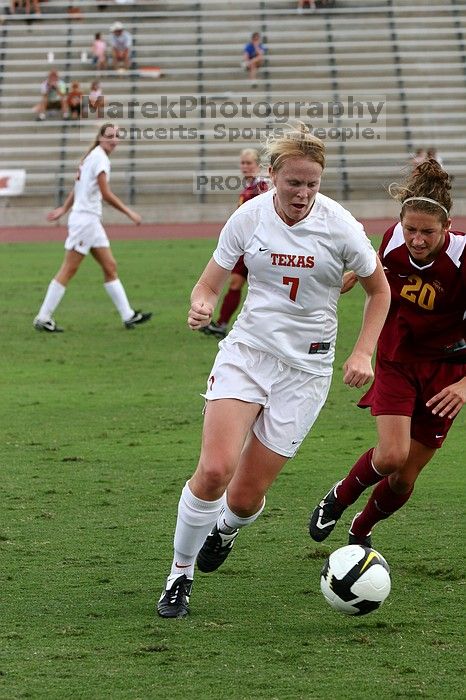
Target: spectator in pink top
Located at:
point(99, 49)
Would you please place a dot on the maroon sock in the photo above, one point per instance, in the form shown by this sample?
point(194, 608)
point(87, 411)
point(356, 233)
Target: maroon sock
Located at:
point(382, 503)
point(361, 476)
point(229, 305)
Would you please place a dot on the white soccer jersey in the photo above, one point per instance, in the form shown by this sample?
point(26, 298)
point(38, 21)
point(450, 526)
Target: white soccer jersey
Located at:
point(87, 195)
point(295, 275)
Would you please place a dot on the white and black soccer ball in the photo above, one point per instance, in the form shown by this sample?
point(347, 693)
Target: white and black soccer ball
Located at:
point(355, 580)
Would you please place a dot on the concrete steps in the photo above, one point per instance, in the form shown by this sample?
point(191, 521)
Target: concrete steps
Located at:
point(412, 62)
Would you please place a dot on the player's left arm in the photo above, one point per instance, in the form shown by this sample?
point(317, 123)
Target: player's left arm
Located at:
point(450, 400)
point(115, 201)
point(357, 369)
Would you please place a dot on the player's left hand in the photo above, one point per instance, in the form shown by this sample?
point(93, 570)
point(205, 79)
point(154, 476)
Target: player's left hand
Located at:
point(357, 370)
point(450, 400)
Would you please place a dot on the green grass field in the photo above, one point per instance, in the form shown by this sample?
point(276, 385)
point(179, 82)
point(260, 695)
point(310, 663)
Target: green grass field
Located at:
point(100, 427)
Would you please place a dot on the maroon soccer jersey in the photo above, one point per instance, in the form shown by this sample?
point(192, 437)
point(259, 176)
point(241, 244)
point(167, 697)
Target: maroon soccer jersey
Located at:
point(426, 320)
point(257, 186)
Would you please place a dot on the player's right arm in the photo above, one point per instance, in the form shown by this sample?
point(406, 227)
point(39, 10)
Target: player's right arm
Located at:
point(205, 295)
point(115, 201)
point(65, 207)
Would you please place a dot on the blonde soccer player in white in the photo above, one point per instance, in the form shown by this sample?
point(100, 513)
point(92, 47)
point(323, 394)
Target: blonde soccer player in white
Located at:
point(272, 374)
point(86, 233)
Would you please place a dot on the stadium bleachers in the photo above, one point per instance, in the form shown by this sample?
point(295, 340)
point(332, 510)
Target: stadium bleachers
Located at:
point(375, 79)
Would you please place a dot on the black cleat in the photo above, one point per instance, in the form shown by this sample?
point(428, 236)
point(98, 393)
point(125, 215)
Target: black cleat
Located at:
point(137, 318)
point(215, 550)
point(363, 540)
point(219, 330)
point(324, 517)
point(174, 601)
point(48, 326)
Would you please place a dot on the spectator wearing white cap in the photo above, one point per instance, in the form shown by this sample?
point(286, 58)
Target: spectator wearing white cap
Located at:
point(121, 42)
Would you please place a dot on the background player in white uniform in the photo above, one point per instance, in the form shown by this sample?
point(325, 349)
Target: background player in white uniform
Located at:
point(273, 371)
point(86, 233)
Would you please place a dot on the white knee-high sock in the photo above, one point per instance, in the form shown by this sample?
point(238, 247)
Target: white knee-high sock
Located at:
point(195, 520)
point(53, 297)
point(228, 522)
point(117, 294)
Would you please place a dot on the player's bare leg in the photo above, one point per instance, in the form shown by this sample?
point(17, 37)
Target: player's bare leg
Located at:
point(243, 503)
point(202, 497)
point(44, 320)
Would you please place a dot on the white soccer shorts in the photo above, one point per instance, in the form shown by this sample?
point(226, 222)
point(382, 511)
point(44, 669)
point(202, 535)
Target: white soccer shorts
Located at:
point(291, 398)
point(85, 231)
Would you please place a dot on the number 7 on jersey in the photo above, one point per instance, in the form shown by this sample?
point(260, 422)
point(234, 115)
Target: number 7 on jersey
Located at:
point(294, 282)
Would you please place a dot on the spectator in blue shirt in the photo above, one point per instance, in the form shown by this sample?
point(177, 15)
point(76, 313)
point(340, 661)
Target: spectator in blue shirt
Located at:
point(253, 56)
point(121, 43)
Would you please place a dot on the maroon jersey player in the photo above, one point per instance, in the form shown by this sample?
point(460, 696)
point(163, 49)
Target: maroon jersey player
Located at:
point(254, 185)
point(424, 297)
point(420, 374)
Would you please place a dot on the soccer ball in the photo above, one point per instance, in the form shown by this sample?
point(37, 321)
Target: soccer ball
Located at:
point(355, 580)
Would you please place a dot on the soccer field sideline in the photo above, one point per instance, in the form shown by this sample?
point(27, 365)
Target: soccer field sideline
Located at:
point(165, 231)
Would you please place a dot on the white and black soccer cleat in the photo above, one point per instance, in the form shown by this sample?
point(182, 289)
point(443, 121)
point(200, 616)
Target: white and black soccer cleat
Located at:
point(324, 517)
point(137, 318)
point(363, 540)
point(174, 601)
point(215, 550)
point(48, 326)
point(219, 330)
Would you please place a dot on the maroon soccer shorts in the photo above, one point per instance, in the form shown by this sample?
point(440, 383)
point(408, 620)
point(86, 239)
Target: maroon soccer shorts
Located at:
point(240, 268)
point(403, 390)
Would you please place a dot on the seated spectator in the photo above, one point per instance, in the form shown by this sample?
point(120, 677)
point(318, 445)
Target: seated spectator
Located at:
point(253, 56)
point(53, 91)
point(74, 100)
point(121, 42)
point(302, 4)
point(27, 6)
point(96, 99)
point(99, 49)
point(74, 12)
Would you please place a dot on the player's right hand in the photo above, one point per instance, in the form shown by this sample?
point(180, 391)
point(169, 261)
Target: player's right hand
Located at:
point(135, 217)
point(55, 214)
point(199, 315)
point(348, 281)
